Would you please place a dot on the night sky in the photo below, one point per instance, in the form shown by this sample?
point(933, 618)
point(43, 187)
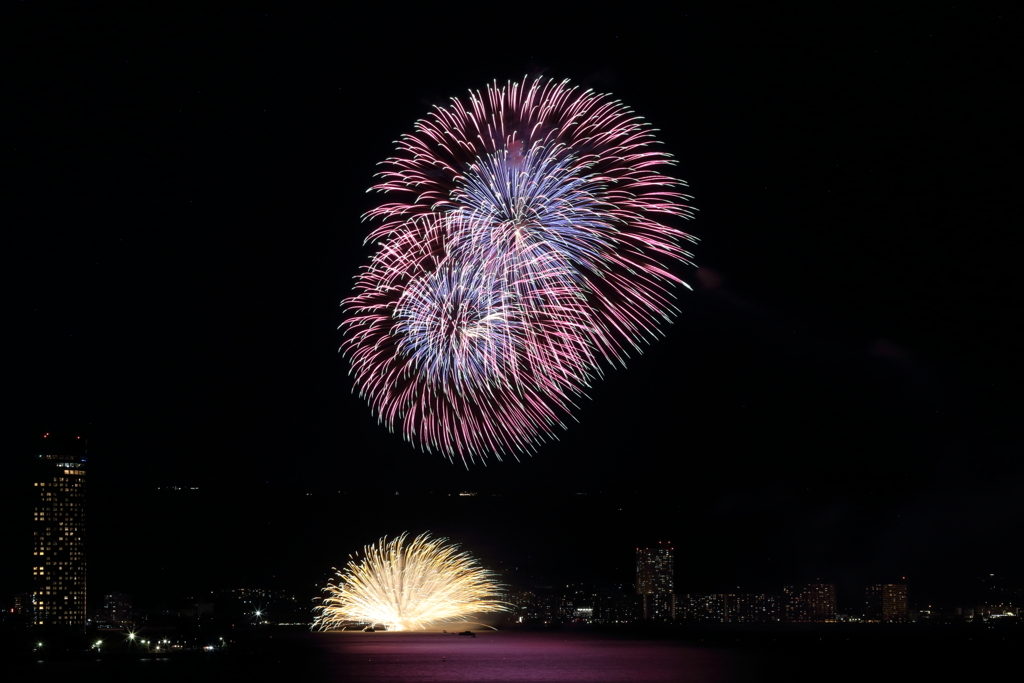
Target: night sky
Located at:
point(838, 399)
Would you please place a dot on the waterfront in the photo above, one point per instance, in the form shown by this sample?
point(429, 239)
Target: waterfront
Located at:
point(546, 656)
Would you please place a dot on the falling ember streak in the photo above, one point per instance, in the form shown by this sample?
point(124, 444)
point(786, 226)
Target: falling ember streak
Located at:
point(408, 584)
point(525, 249)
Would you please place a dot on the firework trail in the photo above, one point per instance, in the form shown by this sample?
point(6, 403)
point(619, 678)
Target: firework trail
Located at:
point(525, 247)
point(408, 584)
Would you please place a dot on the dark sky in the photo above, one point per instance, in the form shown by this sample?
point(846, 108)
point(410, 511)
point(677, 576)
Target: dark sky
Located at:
point(839, 397)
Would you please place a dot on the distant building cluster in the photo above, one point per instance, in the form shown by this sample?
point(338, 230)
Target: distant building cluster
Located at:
point(548, 606)
point(115, 611)
point(656, 600)
point(58, 597)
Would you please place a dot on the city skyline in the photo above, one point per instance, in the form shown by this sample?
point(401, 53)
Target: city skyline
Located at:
point(648, 572)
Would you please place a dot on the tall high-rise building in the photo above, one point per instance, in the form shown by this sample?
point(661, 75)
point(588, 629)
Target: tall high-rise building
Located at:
point(58, 552)
point(655, 575)
point(886, 602)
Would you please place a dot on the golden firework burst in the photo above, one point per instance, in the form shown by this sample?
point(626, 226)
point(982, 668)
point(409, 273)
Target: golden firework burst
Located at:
point(408, 584)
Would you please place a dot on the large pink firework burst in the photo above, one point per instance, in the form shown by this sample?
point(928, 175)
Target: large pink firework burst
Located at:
point(526, 245)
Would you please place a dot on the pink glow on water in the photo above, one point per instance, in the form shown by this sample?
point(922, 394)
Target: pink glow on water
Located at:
point(517, 656)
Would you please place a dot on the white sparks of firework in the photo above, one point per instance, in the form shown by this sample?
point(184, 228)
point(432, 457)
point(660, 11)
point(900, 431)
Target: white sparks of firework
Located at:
point(529, 239)
point(408, 584)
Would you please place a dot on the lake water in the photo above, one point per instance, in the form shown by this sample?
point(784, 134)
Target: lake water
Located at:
point(514, 656)
point(533, 656)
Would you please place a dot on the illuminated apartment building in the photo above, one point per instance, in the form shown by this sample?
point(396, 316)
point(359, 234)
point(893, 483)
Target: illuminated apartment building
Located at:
point(810, 603)
point(702, 608)
point(58, 553)
point(116, 610)
point(752, 608)
point(655, 573)
point(886, 602)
